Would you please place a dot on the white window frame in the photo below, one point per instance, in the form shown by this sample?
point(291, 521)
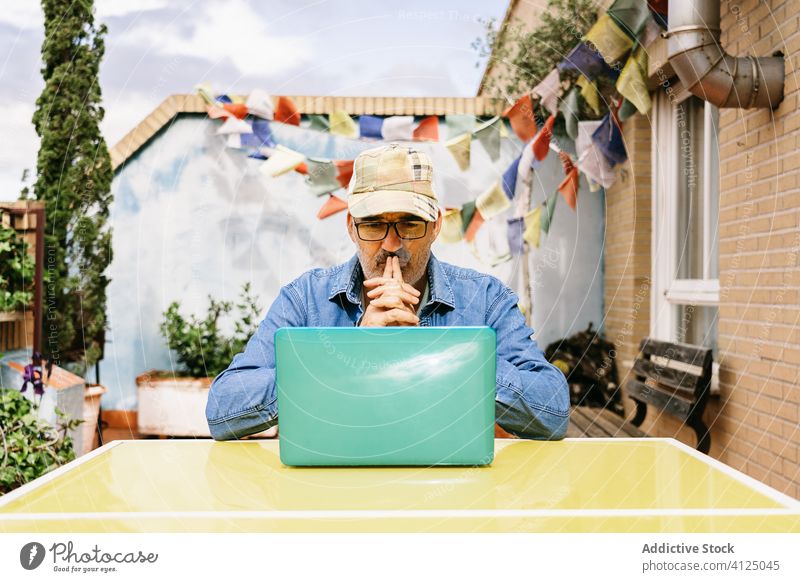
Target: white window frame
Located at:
point(667, 290)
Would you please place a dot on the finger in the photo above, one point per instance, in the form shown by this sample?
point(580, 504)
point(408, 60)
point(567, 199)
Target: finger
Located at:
point(390, 302)
point(377, 281)
point(399, 316)
point(398, 273)
point(393, 292)
point(387, 270)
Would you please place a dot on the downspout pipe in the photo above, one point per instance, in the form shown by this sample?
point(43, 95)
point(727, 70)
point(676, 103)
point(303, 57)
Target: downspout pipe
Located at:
point(707, 71)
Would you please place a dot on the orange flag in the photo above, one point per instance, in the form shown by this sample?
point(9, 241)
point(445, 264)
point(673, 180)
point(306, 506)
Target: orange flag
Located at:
point(286, 111)
point(215, 112)
point(541, 143)
point(302, 168)
point(474, 225)
point(521, 117)
point(344, 171)
point(238, 109)
point(569, 186)
point(427, 130)
point(333, 205)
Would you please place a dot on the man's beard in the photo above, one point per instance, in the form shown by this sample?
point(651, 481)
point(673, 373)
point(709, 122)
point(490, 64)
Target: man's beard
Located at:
point(412, 267)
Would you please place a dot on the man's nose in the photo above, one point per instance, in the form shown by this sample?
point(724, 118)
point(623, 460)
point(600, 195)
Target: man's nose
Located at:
point(392, 242)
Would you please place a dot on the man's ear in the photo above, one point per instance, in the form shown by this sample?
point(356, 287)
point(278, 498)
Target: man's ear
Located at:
point(351, 228)
point(437, 226)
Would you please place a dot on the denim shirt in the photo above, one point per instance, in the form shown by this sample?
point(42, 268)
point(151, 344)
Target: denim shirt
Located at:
point(532, 397)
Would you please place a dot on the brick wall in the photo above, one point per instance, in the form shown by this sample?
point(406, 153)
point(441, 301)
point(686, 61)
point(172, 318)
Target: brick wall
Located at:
point(756, 424)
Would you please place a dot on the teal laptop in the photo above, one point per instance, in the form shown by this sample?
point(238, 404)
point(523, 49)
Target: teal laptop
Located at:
point(386, 396)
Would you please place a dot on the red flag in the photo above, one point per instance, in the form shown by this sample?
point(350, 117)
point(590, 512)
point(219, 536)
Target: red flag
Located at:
point(286, 111)
point(521, 117)
point(302, 168)
point(569, 188)
point(427, 130)
point(541, 143)
point(333, 205)
point(238, 109)
point(215, 112)
point(474, 225)
point(345, 171)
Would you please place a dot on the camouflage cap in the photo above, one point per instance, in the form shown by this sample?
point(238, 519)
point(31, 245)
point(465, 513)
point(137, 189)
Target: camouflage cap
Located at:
point(392, 178)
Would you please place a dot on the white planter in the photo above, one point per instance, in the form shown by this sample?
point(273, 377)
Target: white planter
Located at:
point(171, 405)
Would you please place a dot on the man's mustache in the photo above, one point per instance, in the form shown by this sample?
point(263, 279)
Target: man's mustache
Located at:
point(400, 253)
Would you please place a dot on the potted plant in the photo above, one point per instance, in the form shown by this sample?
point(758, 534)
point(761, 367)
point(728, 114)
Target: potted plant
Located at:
point(16, 275)
point(173, 402)
point(30, 446)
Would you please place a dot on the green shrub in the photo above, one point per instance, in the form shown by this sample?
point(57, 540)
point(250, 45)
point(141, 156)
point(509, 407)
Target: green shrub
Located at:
point(16, 271)
point(30, 446)
point(201, 348)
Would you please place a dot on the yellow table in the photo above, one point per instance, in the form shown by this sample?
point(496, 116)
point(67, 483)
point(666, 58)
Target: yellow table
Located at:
point(576, 485)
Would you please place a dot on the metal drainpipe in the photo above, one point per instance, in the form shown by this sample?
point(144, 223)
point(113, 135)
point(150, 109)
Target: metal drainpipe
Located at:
point(708, 71)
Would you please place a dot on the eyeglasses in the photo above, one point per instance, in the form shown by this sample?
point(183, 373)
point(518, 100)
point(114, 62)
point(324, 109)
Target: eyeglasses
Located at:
point(405, 229)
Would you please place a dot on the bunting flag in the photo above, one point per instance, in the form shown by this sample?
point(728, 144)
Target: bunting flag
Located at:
point(234, 125)
point(492, 202)
point(533, 227)
point(281, 161)
point(522, 120)
point(286, 111)
point(318, 122)
point(340, 123)
point(488, 134)
point(587, 61)
point(259, 103)
point(237, 109)
point(332, 206)
point(632, 82)
point(302, 168)
point(345, 172)
point(370, 126)
point(541, 143)
point(591, 161)
point(548, 90)
point(608, 139)
point(474, 225)
point(459, 149)
point(608, 38)
point(321, 176)
point(548, 210)
point(590, 94)
point(452, 229)
point(630, 15)
point(515, 230)
point(569, 186)
point(215, 112)
point(570, 110)
point(467, 212)
point(510, 178)
point(650, 33)
point(204, 90)
point(398, 127)
point(427, 130)
point(263, 133)
point(257, 155)
point(223, 99)
point(234, 141)
point(458, 125)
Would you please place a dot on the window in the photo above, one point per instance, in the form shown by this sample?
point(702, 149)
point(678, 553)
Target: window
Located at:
point(685, 250)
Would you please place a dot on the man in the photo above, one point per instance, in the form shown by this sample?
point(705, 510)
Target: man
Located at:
point(394, 280)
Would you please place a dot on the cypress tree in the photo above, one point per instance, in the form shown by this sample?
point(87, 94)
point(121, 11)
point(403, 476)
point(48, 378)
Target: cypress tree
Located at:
point(73, 177)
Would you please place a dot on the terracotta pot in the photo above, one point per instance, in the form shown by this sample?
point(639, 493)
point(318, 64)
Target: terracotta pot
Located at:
point(172, 405)
point(91, 410)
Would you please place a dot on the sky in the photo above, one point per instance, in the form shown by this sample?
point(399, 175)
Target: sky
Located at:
point(155, 48)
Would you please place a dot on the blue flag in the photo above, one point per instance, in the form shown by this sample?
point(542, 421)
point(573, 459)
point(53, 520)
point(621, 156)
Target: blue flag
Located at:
point(370, 126)
point(608, 139)
point(516, 228)
point(510, 178)
point(263, 133)
point(587, 61)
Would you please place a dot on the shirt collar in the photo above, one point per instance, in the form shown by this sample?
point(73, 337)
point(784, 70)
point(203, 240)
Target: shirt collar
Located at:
point(349, 278)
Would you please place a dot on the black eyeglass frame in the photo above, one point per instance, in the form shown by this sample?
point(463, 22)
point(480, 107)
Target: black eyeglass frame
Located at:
point(389, 225)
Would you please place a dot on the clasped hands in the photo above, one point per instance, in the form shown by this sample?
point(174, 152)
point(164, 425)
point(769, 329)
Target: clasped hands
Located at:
point(392, 300)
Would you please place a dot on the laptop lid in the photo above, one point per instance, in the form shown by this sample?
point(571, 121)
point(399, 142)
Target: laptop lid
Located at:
point(386, 396)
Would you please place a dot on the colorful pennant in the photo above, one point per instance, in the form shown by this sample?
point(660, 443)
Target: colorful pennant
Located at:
point(370, 126)
point(452, 228)
point(399, 128)
point(259, 103)
point(632, 82)
point(286, 111)
point(521, 117)
point(281, 161)
point(548, 91)
point(533, 227)
point(608, 38)
point(541, 143)
point(333, 205)
point(459, 148)
point(488, 134)
point(492, 202)
point(427, 130)
point(340, 123)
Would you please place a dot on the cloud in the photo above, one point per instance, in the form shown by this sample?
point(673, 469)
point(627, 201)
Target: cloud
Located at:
point(28, 13)
point(232, 31)
point(17, 149)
